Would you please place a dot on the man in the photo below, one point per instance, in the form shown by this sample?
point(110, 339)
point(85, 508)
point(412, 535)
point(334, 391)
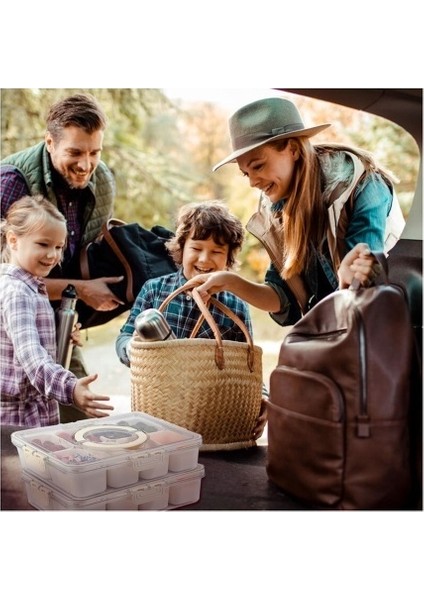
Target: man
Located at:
point(66, 168)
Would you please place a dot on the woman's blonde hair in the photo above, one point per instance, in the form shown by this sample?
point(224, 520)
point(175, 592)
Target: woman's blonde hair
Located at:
point(25, 216)
point(304, 218)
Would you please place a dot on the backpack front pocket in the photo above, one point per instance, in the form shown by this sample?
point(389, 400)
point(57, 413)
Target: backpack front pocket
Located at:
point(306, 435)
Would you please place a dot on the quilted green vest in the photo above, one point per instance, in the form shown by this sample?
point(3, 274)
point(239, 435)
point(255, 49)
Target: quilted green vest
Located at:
point(34, 165)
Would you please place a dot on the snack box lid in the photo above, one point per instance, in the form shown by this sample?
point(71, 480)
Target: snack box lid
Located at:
point(103, 442)
point(41, 494)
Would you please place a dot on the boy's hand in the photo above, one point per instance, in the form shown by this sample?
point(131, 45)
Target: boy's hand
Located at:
point(262, 420)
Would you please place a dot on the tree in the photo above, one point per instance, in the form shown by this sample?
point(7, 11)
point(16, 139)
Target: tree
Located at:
point(148, 185)
point(162, 153)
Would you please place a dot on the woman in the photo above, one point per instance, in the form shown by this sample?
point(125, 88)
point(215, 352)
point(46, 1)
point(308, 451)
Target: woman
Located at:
point(323, 210)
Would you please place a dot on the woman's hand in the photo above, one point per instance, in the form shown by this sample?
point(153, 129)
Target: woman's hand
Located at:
point(359, 264)
point(212, 283)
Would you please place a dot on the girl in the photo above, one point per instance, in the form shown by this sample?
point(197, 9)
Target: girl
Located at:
point(33, 238)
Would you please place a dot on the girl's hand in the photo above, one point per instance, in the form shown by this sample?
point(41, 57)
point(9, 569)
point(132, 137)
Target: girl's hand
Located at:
point(76, 335)
point(90, 403)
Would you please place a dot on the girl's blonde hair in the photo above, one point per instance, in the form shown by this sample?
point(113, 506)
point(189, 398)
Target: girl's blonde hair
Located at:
point(25, 216)
point(304, 217)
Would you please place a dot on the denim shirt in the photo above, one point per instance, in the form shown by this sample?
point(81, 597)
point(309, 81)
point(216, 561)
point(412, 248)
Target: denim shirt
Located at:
point(372, 203)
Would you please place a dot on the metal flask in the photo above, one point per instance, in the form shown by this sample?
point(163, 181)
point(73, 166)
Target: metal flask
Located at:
point(66, 317)
point(152, 326)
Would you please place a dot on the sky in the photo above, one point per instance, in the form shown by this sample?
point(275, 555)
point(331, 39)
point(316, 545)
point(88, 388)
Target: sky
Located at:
point(229, 98)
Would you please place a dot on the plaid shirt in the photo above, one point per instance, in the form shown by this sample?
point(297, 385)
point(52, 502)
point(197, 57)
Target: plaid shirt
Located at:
point(182, 312)
point(14, 187)
point(31, 382)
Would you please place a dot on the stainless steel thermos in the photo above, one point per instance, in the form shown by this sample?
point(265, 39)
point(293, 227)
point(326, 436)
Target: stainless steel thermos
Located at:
point(152, 326)
point(66, 317)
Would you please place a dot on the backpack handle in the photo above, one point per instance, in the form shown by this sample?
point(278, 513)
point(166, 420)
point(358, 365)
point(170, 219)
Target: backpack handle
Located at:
point(382, 261)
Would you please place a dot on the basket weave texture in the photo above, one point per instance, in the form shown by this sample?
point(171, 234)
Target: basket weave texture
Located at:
point(209, 386)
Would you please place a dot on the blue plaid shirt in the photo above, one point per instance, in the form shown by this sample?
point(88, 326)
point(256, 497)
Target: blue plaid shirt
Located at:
point(182, 313)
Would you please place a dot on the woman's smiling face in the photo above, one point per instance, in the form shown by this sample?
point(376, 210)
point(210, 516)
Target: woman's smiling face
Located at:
point(269, 169)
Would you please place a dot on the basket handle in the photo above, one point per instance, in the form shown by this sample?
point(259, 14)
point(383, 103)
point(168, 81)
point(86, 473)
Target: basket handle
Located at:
point(219, 352)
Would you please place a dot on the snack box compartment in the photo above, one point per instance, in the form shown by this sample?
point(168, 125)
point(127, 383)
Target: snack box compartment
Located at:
point(173, 491)
point(89, 457)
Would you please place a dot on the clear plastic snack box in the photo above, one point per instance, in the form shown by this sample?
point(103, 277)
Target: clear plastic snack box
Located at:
point(94, 456)
point(166, 493)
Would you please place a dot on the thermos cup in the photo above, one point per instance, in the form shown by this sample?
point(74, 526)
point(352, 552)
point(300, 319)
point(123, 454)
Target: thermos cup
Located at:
point(152, 326)
point(66, 317)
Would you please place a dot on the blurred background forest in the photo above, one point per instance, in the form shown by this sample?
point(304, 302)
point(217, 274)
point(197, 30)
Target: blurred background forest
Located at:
point(161, 151)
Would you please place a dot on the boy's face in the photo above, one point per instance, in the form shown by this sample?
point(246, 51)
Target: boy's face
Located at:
point(203, 256)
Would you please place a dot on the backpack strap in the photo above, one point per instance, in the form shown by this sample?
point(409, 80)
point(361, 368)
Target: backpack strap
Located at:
point(106, 230)
point(108, 237)
point(298, 289)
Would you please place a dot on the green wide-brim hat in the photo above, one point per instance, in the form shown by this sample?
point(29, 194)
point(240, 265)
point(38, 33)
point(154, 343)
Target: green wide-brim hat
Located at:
point(264, 121)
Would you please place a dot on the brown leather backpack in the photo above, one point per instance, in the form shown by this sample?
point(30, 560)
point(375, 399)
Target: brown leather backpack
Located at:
point(338, 430)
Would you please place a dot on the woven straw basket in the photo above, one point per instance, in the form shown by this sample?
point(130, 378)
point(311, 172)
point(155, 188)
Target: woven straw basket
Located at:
point(210, 386)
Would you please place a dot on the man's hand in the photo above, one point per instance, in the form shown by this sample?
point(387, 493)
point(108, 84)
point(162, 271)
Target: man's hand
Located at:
point(97, 294)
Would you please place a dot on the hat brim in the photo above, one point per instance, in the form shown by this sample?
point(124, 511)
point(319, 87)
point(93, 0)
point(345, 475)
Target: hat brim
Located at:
point(309, 132)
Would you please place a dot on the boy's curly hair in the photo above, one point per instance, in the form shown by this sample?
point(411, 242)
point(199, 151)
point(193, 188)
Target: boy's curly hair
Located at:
point(203, 220)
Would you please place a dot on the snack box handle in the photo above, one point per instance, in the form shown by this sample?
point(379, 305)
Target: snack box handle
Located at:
point(39, 488)
point(147, 492)
point(147, 459)
point(34, 459)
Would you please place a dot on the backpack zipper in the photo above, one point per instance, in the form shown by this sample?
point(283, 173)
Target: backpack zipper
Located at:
point(362, 419)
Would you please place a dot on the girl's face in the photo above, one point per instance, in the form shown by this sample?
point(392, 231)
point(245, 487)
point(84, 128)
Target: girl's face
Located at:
point(39, 251)
point(270, 170)
point(203, 256)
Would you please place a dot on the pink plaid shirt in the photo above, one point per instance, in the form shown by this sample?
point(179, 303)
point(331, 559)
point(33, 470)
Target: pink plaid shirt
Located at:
point(31, 383)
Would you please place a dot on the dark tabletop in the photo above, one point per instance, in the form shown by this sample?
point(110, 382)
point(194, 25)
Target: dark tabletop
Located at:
point(234, 480)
